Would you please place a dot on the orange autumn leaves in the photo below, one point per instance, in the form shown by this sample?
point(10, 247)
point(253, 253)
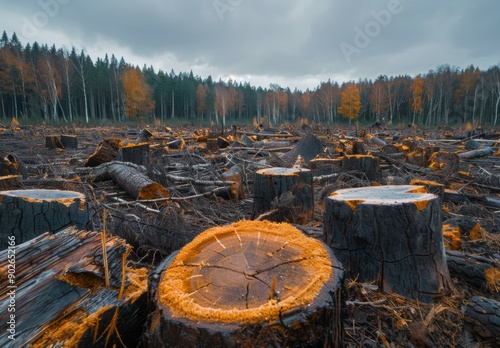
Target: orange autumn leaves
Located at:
point(350, 101)
point(138, 96)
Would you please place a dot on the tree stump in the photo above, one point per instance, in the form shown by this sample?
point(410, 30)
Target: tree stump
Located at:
point(236, 174)
point(107, 151)
point(135, 153)
point(212, 144)
point(288, 192)
point(69, 141)
point(308, 147)
point(52, 142)
point(392, 235)
point(325, 166)
point(26, 214)
point(370, 165)
point(251, 283)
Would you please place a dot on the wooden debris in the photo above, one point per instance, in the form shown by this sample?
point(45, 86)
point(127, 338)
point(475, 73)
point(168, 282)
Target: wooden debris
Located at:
point(487, 151)
point(235, 174)
point(482, 317)
point(134, 182)
point(135, 153)
point(26, 214)
point(308, 148)
point(52, 142)
point(107, 151)
point(248, 284)
point(60, 298)
point(391, 235)
point(8, 182)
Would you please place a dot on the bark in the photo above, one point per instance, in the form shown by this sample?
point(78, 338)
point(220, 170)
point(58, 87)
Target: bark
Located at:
point(370, 165)
point(236, 174)
point(471, 270)
point(482, 318)
point(106, 151)
point(136, 183)
point(60, 298)
point(249, 284)
point(308, 148)
point(391, 235)
point(286, 191)
point(26, 214)
point(135, 153)
point(476, 153)
point(69, 141)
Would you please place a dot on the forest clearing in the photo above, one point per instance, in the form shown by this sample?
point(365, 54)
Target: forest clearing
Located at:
point(162, 198)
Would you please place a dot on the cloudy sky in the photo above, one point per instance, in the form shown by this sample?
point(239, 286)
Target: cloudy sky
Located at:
point(294, 43)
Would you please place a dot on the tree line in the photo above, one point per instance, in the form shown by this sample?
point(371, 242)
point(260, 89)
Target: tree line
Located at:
point(39, 82)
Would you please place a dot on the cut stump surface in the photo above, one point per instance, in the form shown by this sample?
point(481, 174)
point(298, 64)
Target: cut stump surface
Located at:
point(392, 235)
point(26, 214)
point(251, 274)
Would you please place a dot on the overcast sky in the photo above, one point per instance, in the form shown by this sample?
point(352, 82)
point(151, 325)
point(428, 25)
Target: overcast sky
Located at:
point(294, 43)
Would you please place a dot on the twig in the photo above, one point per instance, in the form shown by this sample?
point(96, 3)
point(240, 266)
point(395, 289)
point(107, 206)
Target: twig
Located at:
point(104, 251)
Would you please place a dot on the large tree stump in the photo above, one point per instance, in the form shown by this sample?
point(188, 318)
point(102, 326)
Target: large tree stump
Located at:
point(251, 283)
point(135, 153)
point(26, 214)
point(288, 192)
point(60, 295)
point(392, 235)
point(370, 165)
point(69, 141)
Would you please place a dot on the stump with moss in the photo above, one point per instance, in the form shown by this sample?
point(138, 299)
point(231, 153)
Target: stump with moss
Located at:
point(391, 235)
point(251, 283)
point(286, 193)
point(26, 214)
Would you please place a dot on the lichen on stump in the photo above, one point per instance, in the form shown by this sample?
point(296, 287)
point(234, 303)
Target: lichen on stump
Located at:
point(286, 192)
point(391, 235)
point(26, 214)
point(245, 284)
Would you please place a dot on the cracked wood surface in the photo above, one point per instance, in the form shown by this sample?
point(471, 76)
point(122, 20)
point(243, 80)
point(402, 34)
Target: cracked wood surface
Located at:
point(392, 235)
point(248, 274)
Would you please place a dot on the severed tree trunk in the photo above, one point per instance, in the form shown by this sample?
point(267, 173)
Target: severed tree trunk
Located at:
point(26, 214)
point(482, 318)
point(60, 296)
point(251, 283)
point(52, 142)
point(135, 183)
point(236, 174)
point(135, 153)
point(431, 187)
point(392, 235)
point(370, 165)
point(285, 192)
point(107, 151)
point(69, 141)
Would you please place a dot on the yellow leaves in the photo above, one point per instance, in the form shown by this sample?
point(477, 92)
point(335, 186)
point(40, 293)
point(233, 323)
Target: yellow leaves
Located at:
point(137, 94)
point(417, 90)
point(350, 102)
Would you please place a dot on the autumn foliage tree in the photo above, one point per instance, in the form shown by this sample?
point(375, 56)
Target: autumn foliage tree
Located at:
point(137, 94)
point(350, 101)
point(416, 91)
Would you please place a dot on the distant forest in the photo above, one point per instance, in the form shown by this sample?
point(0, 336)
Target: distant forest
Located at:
point(38, 82)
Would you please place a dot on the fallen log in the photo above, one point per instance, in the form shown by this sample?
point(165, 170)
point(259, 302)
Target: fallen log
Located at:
point(480, 272)
point(391, 235)
point(249, 284)
point(59, 296)
point(25, 214)
point(137, 184)
point(476, 153)
point(461, 198)
point(482, 318)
